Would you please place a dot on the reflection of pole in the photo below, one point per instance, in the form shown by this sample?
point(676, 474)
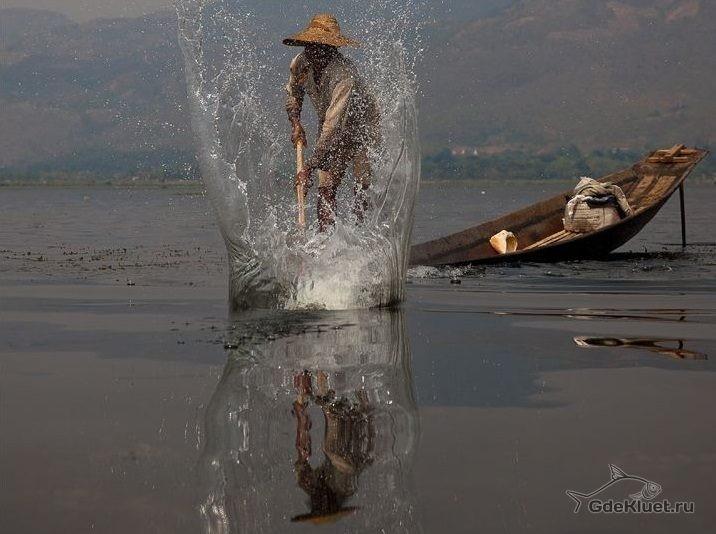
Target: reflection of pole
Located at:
point(683, 215)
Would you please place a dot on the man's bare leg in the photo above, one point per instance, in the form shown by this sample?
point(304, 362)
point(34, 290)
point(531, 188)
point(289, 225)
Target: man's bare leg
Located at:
point(327, 187)
point(363, 173)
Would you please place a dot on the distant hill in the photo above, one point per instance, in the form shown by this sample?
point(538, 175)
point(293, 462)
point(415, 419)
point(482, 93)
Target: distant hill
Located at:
point(98, 93)
point(630, 74)
point(535, 75)
point(16, 23)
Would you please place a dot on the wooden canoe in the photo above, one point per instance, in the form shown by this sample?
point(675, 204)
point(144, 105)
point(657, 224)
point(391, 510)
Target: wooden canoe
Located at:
point(539, 228)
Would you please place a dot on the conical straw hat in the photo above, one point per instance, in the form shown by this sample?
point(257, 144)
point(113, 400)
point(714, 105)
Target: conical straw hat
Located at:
point(323, 29)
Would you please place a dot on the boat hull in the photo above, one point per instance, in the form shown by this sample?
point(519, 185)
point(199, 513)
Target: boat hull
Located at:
point(647, 184)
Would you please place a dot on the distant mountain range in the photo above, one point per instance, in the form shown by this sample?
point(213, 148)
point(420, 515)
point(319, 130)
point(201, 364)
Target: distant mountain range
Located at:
point(104, 94)
point(634, 73)
point(108, 95)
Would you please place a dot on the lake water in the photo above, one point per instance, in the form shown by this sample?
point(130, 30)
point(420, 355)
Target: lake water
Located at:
point(132, 401)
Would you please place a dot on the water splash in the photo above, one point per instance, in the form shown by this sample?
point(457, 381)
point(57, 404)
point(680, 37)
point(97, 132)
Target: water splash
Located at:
point(353, 371)
point(234, 75)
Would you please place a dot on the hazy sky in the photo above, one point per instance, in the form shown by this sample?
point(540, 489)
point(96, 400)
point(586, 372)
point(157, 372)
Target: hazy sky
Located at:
point(89, 9)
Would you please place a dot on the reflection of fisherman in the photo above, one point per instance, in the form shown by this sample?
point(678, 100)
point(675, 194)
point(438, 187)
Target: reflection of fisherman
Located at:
point(347, 115)
point(347, 446)
point(365, 395)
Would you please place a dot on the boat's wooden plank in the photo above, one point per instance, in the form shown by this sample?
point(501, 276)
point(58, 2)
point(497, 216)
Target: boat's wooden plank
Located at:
point(669, 159)
point(675, 154)
point(674, 150)
point(660, 187)
point(682, 152)
point(639, 189)
point(542, 242)
point(559, 236)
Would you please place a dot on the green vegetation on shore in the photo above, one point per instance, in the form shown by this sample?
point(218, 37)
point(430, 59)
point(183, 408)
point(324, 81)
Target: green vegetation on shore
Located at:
point(566, 163)
point(95, 167)
point(563, 164)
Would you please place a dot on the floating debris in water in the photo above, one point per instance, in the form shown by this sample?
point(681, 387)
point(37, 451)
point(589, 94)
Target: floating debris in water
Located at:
point(673, 348)
point(427, 272)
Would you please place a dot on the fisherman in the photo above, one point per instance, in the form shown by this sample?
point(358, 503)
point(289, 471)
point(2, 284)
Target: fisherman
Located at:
point(348, 117)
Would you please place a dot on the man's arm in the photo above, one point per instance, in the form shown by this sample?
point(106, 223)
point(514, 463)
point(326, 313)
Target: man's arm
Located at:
point(294, 98)
point(333, 124)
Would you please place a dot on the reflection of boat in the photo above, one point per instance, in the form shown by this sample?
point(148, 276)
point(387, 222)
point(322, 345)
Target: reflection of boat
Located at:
point(348, 376)
point(659, 346)
point(539, 228)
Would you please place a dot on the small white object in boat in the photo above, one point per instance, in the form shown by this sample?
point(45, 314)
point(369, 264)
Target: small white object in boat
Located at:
point(504, 242)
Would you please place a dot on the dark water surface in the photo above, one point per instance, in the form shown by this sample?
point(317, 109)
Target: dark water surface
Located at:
point(132, 401)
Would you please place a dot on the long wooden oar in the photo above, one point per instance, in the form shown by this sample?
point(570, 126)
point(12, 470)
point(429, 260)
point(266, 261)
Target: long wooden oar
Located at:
point(300, 189)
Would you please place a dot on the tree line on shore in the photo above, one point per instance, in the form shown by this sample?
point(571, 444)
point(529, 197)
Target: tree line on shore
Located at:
point(561, 164)
point(565, 163)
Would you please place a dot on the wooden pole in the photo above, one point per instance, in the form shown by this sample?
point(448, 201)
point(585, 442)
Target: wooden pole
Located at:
point(683, 215)
point(300, 189)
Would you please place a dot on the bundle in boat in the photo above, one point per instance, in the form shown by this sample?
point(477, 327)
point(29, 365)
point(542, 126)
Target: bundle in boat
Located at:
point(586, 217)
point(595, 205)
